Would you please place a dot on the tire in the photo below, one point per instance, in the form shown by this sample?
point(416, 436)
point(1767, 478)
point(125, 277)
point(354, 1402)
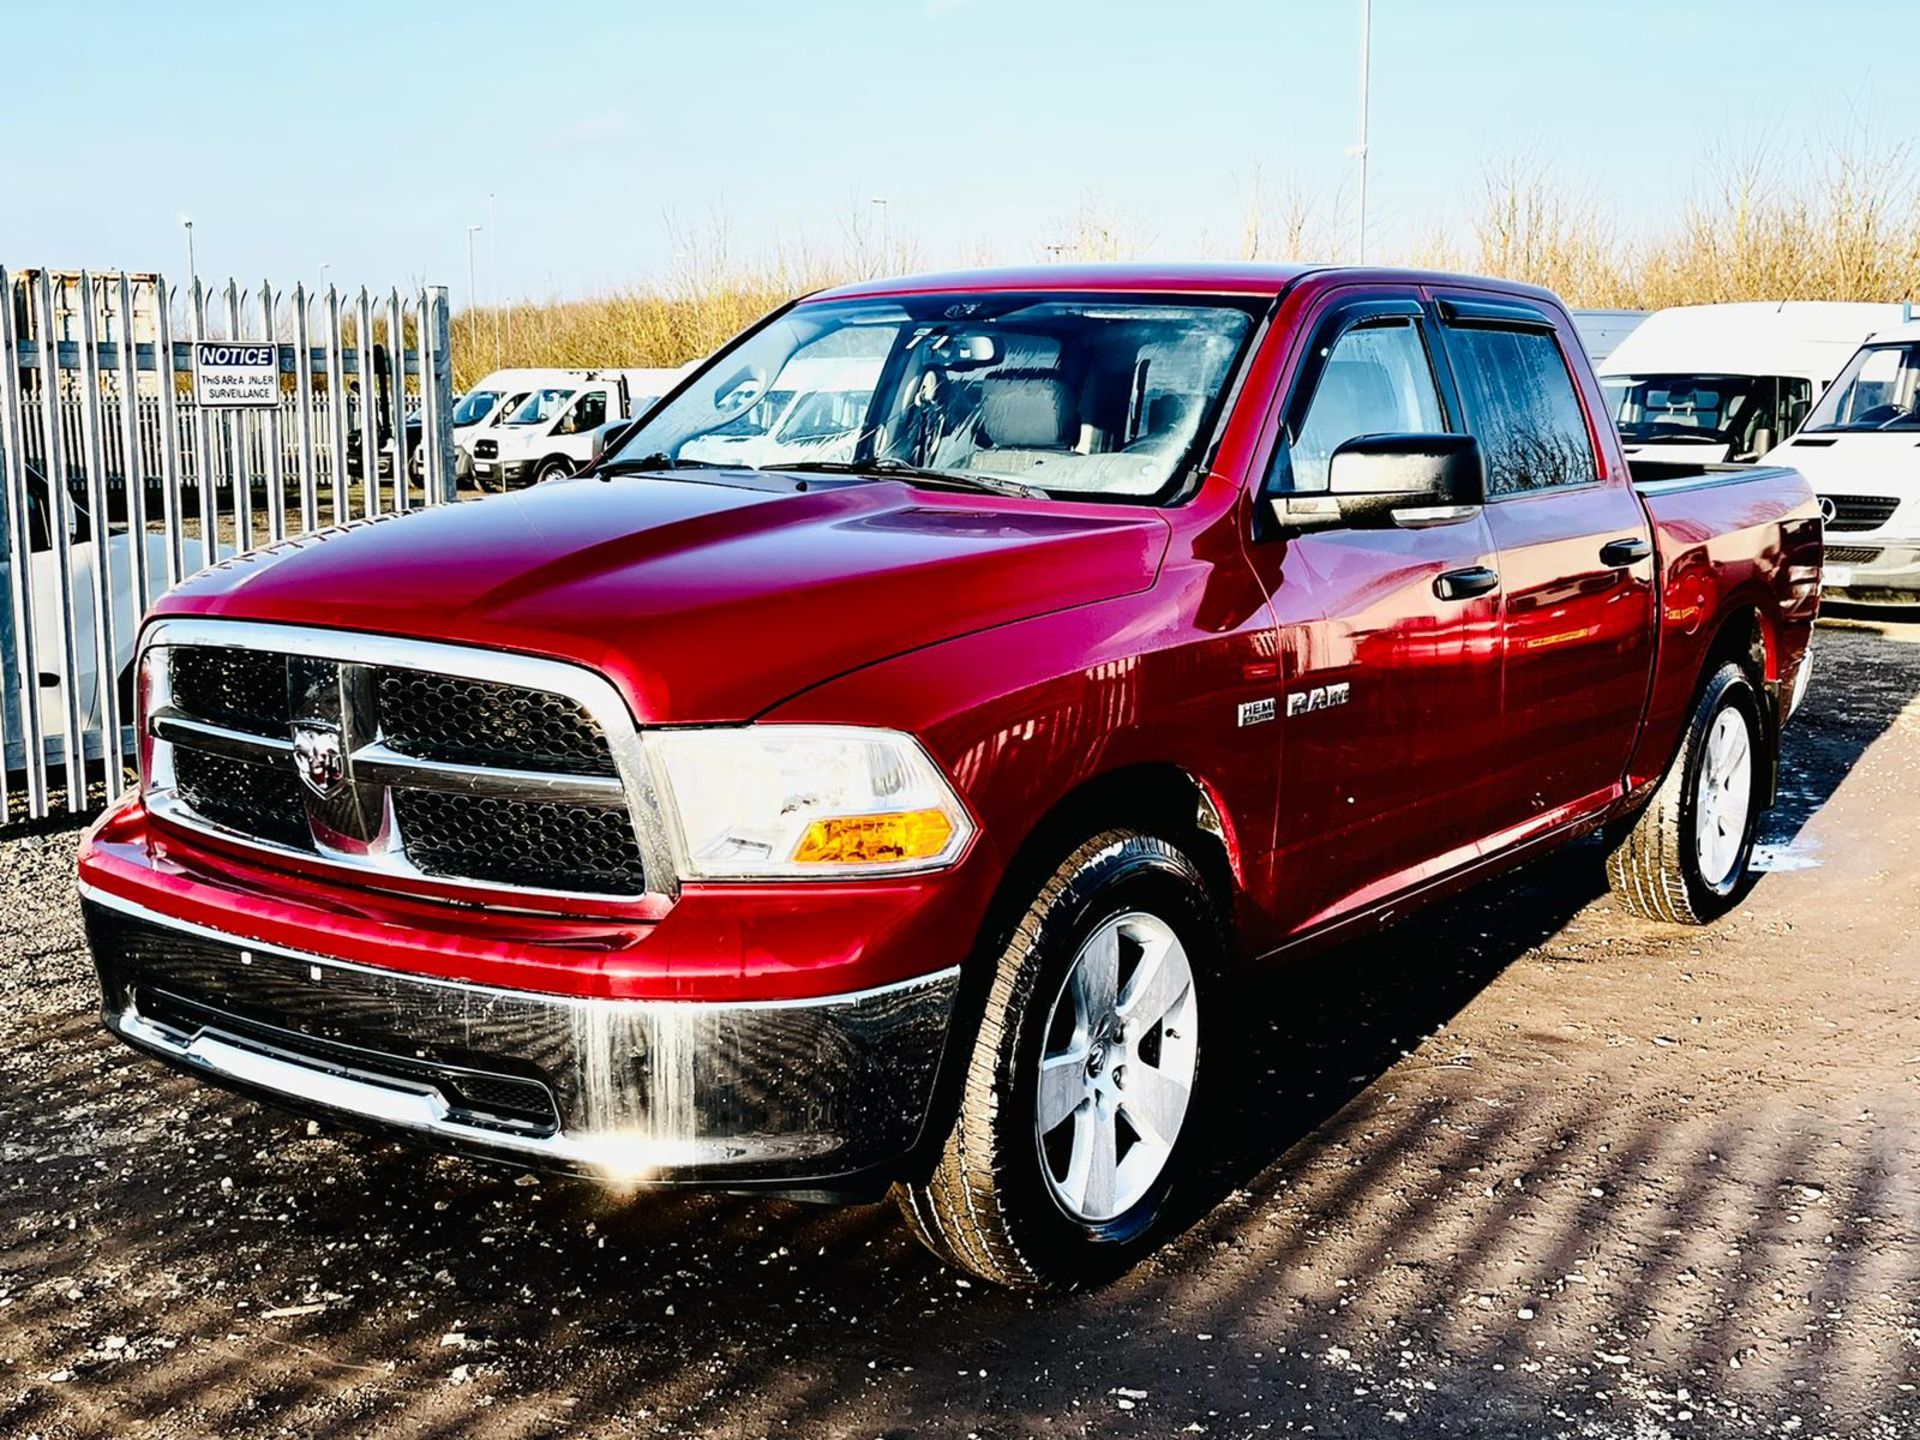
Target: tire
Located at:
point(1022, 1209)
point(1669, 866)
point(555, 469)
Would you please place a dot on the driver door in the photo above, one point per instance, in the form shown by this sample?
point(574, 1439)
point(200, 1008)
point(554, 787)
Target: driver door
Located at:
point(1391, 679)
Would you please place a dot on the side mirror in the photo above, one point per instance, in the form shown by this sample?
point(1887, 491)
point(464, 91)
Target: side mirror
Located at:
point(1378, 480)
point(1763, 441)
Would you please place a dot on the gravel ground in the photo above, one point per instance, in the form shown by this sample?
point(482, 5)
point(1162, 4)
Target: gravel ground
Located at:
point(1522, 1167)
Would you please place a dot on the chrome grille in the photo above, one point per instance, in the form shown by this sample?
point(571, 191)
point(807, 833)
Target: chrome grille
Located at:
point(243, 689)
point(263, 800)
point(347, 754)
point(1858, 512)
point(476, 722)
point(513, 842)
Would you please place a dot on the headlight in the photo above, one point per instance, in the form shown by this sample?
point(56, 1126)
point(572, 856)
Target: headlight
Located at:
point(806, 800)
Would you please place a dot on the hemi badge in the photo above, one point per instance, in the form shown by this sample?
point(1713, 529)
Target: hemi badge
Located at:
point(1256, 712)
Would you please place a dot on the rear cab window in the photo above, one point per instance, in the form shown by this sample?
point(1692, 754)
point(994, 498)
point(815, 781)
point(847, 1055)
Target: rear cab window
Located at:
point(1519, 397)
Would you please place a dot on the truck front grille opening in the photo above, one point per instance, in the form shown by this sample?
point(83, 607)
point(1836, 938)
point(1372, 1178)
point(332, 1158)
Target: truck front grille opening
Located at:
point(520, 842)
point(476, 722)
point(248, 799)
point(277, 746)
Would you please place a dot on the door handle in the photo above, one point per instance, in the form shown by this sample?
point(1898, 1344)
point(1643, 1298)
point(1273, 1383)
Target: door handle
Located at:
point(1465, 584)
point(1618, 554)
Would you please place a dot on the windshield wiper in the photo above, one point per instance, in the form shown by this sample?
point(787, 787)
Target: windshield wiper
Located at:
point(659, 461)
point(899, 469)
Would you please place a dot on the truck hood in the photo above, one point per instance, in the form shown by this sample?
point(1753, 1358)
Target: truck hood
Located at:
point(705, 598)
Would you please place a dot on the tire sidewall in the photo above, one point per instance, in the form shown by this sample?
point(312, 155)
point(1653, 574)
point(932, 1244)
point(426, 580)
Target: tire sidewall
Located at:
point(1136, 874)
point(1729, 686)
point(551, 470)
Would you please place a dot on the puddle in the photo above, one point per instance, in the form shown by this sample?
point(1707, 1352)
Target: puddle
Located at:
point(1795, 855)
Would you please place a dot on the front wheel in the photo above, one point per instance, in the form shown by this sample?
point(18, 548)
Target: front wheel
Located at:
point(552, 470)
point(1686, 858)
point(1079, 1107)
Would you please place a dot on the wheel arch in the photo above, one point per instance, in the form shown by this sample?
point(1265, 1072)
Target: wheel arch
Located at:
point(1159, 798)
point(1746, 638)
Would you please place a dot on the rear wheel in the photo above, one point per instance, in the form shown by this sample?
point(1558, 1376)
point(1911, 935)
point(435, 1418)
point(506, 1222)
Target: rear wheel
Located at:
point(1686, 858)
point(1080, 1104)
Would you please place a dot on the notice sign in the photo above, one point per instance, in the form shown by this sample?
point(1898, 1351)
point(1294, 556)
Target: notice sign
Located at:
point(236, 375)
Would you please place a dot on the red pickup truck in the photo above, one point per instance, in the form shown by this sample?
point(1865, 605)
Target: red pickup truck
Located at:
point(898, 811)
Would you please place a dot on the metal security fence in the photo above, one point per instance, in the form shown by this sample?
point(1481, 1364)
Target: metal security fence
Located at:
point(116, 481)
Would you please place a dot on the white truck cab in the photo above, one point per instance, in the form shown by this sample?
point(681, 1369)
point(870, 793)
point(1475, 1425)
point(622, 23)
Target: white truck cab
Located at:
point(1703, 384)
point(1860, 448)
point(558, 426)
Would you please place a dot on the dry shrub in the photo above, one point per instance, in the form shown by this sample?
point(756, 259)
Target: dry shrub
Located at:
point(1843, 224)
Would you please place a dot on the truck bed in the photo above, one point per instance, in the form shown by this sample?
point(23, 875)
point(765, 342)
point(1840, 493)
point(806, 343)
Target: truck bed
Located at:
point(1727, 539)
point(1654, 477)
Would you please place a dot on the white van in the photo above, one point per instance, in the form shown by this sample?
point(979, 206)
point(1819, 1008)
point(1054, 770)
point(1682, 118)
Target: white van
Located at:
point(1703, 384)
point(49, 612)
point(559, 425)
point(494, 398)
point(1860, 448)
point(812, 411)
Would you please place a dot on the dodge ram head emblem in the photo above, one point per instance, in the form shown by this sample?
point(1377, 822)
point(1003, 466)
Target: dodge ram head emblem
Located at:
point(318, 756)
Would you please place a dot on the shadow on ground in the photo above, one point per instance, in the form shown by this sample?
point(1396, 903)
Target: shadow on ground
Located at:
point(1520, 1166)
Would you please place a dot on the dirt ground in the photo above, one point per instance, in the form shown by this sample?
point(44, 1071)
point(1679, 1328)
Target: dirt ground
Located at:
point(1522, 1167)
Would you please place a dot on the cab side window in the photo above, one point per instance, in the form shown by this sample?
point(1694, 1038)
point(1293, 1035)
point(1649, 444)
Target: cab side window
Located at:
point(1520, 399)
point(589, 414)
point(1377, 380)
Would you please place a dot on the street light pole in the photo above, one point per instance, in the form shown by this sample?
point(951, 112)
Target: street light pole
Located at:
point(886, 234)
point(187, 222)
point(472, 230)
point(1360, 150)
point(493, 277)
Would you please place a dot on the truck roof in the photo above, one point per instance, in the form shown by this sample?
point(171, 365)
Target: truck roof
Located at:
point(1194, 277)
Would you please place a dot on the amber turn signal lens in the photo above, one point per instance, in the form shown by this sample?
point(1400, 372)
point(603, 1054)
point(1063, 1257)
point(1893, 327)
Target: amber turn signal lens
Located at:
point(874, 839)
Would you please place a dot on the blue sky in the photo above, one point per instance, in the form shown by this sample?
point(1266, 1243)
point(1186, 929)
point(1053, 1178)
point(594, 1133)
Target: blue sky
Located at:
point(368, 136)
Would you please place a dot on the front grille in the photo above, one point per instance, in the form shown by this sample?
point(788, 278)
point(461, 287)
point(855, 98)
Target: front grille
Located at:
point(241, 689)
point(1859, 512)
point(262, 800)
point(485, 781)
point(476, 722)
point(520, 842)
point(485, 449)
point(1852, 554)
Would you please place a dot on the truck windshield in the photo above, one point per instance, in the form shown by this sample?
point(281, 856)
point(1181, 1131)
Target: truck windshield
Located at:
point(473, 407)
point(1746, 413)
point(1100, 397)
point(540, 406)
point(1879, 390)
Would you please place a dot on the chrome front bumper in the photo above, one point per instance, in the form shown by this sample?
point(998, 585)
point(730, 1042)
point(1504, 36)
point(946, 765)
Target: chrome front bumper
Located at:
point(791, 1095)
